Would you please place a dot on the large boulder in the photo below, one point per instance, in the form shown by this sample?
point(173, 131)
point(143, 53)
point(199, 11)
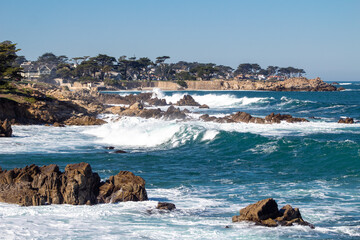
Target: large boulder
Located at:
point(33, 185)
point(124, 186)
point(266, 213)
point(5, 128)
point(77, 185)
point(187, 100)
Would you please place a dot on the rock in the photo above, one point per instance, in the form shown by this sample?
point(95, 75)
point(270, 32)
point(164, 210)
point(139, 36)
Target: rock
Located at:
point(341, 89)
point(157, 102)
point(35, 185)
point(241, 117)
point(335, 83)
point(84, 120)
point(150, 113)
point(266, 213)
point(166, 206)
point(346, 120)
point(77, 185)
point(120, 151)
point(5, 128)
point(187, 100)
point(174, 113)
point(204, 106)
point(56, 124)
point(137, 106)
point(124, 186)
point(110, 147)
point(277, 118)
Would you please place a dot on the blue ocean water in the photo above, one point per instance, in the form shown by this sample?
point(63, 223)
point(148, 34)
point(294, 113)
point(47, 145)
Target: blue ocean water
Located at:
point(208, 170)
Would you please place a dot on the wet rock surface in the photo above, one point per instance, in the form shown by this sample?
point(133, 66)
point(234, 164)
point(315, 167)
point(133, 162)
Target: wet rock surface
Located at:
point(266, 213)
point(346, 120)
point(166, 206)
point(77, 185)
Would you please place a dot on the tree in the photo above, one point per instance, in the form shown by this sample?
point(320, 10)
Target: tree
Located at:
point(272, 70)
point(163, 69)
point(7, 59)
point(205, 71)
point(19, 60)
point(105, 64)
point(244, 68)
point(144, 64)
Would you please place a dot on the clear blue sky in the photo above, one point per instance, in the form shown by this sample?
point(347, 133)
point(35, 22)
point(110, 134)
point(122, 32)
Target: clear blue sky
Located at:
point(321, 36)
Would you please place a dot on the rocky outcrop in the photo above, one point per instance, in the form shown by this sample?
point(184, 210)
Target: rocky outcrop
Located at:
point(138, 110)
point(77, 185)
point(266, 213)
point(187, 100)
point(203, 106)
point(247, 118)
point(346, 120)
point(124, 186)
point(277, 118)
point(84, 120)
point(165, 206)
point(5, 128)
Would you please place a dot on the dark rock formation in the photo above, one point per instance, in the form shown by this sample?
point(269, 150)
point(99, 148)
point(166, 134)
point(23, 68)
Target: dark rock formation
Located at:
point(335, 83)
point(124, 186)
point(187, 100)
point(204, 106)
point(5, 128)
point(266, 213)
point(166, 206)
point(157, 102)
point(120, 151)
point(346, 120)
point(247, 118)
point(77, 185)
point(341, 89)
point(174, 113)
point(35, 185)
point(277, 118)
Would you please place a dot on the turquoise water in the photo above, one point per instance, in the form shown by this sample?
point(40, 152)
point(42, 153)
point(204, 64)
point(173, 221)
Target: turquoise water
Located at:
point(209, 170)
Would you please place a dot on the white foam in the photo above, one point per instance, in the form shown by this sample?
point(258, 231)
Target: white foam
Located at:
point(215, 100)
point(345, 83)
point(132, 132)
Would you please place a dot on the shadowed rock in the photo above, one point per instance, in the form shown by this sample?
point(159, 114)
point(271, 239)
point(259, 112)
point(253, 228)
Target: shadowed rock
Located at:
point(5, 129)
point(166, 206)
point(266, 213)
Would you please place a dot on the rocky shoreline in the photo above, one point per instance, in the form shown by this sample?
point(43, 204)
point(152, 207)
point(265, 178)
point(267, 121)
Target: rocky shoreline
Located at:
point(290, 84)
point(79, 185)
point(51, 105)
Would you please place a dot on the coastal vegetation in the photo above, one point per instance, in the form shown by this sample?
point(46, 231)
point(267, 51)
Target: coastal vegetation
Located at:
point(109, 70)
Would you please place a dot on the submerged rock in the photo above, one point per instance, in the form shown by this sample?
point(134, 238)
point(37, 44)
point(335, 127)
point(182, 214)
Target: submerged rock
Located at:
point(77, 185)
point(204, 106)
point(5, 128)
point(266, 213)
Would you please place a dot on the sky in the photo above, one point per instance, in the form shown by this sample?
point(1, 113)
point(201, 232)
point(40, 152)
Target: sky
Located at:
point(320, 36)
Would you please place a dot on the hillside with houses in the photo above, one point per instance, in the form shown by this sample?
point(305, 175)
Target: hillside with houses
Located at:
point(107, 71)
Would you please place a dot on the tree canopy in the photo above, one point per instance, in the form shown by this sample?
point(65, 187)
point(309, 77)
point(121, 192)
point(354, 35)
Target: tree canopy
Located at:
point(7, 59)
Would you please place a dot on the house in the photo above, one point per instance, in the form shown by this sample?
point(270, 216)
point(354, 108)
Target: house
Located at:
point(33, 71)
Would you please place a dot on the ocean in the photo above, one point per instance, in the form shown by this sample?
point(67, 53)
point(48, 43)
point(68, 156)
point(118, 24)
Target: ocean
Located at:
point(208, 170)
